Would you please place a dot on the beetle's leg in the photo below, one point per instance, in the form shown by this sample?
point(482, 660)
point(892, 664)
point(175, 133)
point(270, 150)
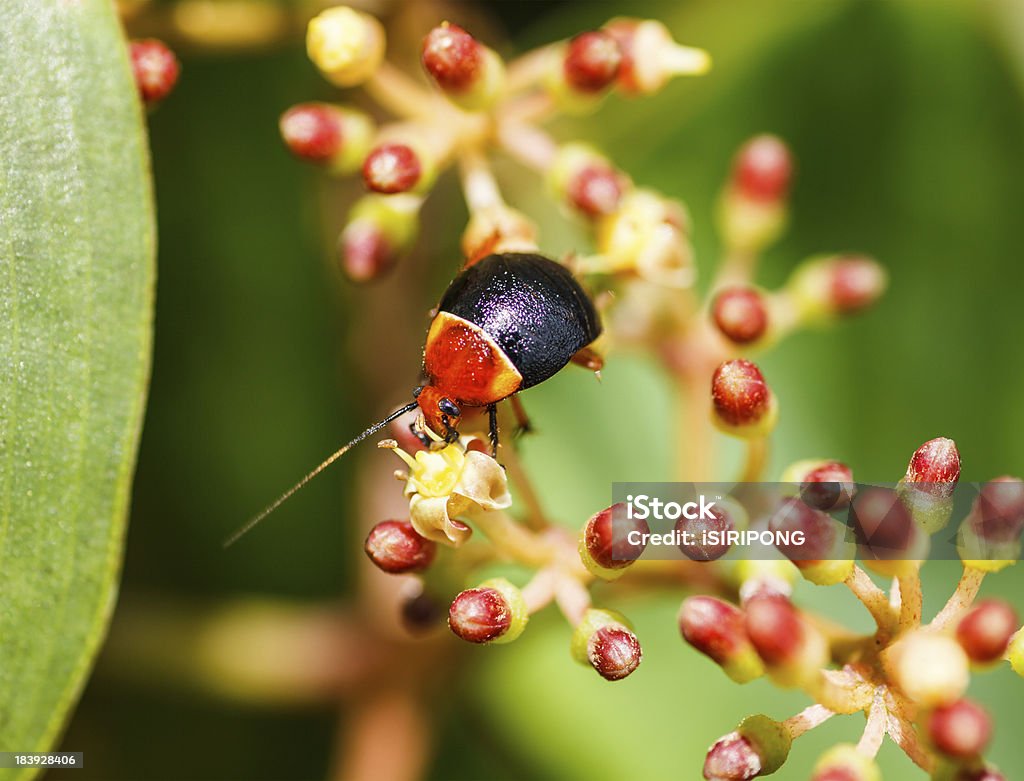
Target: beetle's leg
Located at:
point(523, 424)
point(492, 428)
point(588, 358)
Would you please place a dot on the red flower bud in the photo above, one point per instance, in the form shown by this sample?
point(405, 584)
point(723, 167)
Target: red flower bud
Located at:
point(743, 402)
point(882, 525)
point(985, 632)
point(364, 252)
point(857, 282)
point(592, 61)
point(819, 532)
point(937, 464)
point(312, 131)
point(828, 486)
point(394, 546)
point(606, 539)
point(155, 68)
point(719, 519)
point(998, 514)
point(732, 758)
point(392, 168)
point(960, 730)
point(716, 629)
point(421, 612)
point(492, 612)
point(452, 57)
point(774, 627)
point(596, 190)
point(614, 652)
point(740, 314)
point(762, 169)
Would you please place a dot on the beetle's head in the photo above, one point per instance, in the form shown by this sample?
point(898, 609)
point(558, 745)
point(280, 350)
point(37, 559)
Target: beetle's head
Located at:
point(440, 412)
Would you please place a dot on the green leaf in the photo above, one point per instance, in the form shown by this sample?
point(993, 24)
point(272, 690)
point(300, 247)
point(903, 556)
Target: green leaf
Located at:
point(76, 289)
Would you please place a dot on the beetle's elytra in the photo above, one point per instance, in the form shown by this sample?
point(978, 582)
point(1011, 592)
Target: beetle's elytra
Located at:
point(506, 323)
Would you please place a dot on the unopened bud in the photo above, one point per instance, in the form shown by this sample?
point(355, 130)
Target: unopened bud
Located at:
point(890, 542)
point(493, 612)
point(931, 669)
point(650, 57)
point(825, 557)
point(823, 485)
point(985, 632)
point(742, 402)
point(155, 69)
point(470, 74)
point(604, 546)
point(725, 516)
point(960, 730)
point(346, 45)
point(395, 168)
point(741, 314)
point(604, 639)
point(752, 210)
point(380, 229)
point(758, 747)
point(394, 546)
point(827, 287)
point(998, 513)
point(927, 488)
point(421, 611)
point(845, 763)
point(587, 181)
point(327, 135)
point(716, 629)
point(592, 61)
point(790, 647)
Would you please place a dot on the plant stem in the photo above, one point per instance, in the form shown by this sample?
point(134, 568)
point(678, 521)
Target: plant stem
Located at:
point(400, 95)
point(512, 539)
point(806, 720)
point(874, 731)
point(694, 436)
point(536, 518)
point(479, 187)
point(572, 597)
point(528, 144)
point(961, 599)
point(756, 459)
point(910, 600)
point(539, 592)
point(525, 71)
point(872, 596)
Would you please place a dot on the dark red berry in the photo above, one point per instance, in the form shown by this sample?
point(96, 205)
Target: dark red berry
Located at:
point(592, 61)
point(394, 546)
point(739, 392)
point(763, 168)
point(392, 168)
point(985, 632)
point(740, 314)
point(479, 615)
point(155, 67)
point(452, 57)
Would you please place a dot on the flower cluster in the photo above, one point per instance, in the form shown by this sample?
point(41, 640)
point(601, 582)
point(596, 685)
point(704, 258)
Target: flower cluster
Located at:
point(908, 677)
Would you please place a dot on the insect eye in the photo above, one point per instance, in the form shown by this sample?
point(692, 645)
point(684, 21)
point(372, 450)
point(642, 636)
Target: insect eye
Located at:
point(448, 408)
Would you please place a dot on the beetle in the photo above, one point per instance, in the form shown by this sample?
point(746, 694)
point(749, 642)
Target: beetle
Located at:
point(507, 322)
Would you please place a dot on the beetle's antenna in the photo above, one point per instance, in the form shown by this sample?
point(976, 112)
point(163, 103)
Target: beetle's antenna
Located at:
point(245, 528)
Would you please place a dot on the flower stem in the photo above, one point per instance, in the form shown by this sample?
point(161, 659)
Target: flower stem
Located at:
point(528, 144)
point(694, 436)
point(525, 71)
point(400, 95)
point(873, 598)
point(874, 731)
point(536, 517)
point(962, 598)
point(479, 186)
point(910, 600)
point(572, 597)
point(512, 539)
point(806, 720)
point(539, 592)
point(756, 459)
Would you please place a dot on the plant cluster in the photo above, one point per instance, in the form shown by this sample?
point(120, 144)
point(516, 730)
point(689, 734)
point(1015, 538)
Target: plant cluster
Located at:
point(909, 676)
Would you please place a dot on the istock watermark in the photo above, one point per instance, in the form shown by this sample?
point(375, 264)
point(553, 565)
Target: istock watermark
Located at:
point(814, 522)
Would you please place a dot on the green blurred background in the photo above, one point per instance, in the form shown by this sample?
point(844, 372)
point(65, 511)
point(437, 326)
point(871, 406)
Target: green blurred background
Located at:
point(906, 119)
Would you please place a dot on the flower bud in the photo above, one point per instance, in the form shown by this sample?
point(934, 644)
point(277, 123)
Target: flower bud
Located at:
point(825, 557)
point(604, 639)
point(726, 515)
point(824, 485)
point(471, 75)
point(960, 730)
point(998, 513)
point(758, 747)
point(327, 135)
point(587, 181)
point(493, 612)
point(791, 648)
point(605, 549)
point(648, 236)
point(346, 45)
point(155, 69)
point(889, 540)
point(844, 762)
point(395, 168)
point(824, 288)
point(421, 611)
point(592, 61)
point(743, 404)
point(394, 546)
point(752, 210)
point(985, 632)
point(927, 488)
point(380, 229)
point(650, 57)
point(930, 668)
point(741, 314)
point(716, 629)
